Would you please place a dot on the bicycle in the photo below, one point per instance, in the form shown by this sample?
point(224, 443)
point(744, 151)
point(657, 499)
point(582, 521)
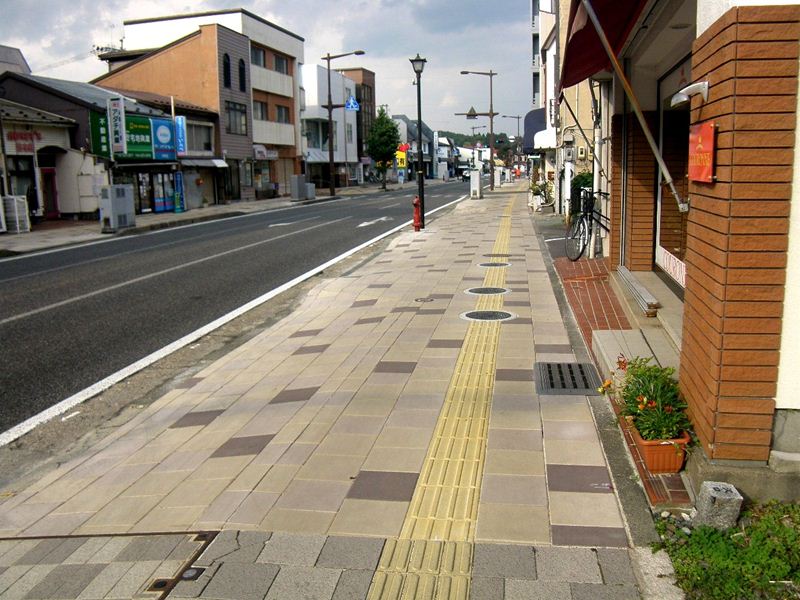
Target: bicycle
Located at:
point(581, 226)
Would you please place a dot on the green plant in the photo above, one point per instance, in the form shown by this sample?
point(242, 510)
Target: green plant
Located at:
point(758, 559)
point(543, 189)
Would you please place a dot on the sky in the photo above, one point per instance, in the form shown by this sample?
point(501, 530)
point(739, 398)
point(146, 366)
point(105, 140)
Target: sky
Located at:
point(56, 37)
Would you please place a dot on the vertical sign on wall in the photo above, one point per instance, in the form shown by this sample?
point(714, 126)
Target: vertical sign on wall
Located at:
point(116, 125)
point(701, 152)
point(180, 135)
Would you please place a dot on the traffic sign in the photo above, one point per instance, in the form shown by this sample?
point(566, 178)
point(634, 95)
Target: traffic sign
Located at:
point(351, 104)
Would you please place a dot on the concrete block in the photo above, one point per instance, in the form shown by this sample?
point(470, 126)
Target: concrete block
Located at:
point(501, 560)
point(718, 505)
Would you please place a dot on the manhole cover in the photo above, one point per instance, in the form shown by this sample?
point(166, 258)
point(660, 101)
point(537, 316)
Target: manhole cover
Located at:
point(423, 299)
point(567, 378)
point(494, 264)
point(487, 291)
point(488, 315)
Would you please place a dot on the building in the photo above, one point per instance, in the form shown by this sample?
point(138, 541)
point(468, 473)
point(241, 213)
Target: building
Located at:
point(704, 211)
point(366, 115)
point(408, 135)
point(12, 59)
point(348, 169)
point(447, 157)
point(241, 66)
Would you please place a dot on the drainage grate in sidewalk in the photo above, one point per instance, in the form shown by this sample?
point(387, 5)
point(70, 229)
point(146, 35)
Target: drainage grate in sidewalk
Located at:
point(578, 379)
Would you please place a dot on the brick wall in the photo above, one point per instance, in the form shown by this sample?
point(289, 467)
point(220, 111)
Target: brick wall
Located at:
point(738, 229)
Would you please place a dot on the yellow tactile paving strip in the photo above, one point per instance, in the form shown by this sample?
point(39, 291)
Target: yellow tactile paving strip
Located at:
point(433, 556)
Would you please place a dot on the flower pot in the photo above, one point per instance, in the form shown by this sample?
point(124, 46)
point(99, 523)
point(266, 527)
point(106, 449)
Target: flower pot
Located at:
point(661, 456)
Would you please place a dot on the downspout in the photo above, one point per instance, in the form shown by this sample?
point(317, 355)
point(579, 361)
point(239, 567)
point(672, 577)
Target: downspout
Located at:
point(683, 205)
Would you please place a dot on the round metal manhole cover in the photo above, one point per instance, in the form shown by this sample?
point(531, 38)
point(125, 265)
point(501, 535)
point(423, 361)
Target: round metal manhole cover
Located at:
point(423, 299)
point(495, 264)
point(487, 291)
point(488, 315)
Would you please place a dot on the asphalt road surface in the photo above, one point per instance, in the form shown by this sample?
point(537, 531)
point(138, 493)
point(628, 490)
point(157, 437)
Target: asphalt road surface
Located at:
point(73, 317)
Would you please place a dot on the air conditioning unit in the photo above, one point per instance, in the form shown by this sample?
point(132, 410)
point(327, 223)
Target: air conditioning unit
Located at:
point(581, 152)
point(15, 209)
point(116, 208)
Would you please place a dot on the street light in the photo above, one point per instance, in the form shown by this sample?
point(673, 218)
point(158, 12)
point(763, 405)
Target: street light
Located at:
point(517, 117)
point(491, 114)
point(476, 127)
point(328, 58)
point(418, 64)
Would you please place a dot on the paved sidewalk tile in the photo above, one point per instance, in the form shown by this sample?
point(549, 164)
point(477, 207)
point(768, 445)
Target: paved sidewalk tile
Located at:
point(241, 581)
point(305, 583)
point(556, 563)
point(292, 549)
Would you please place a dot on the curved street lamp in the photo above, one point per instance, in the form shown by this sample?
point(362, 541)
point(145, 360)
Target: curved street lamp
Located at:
point(328, 58)
point(491, 114)
point(418, 64)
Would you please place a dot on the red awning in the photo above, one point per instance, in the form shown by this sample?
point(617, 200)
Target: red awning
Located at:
point(584, 54)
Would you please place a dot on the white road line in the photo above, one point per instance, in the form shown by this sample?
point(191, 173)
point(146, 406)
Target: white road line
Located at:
point(19, 430)
point(191, 263)
point(561, 239)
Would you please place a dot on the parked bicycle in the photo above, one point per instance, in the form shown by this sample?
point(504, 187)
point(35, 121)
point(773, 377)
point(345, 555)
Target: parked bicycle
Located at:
point(582, 223)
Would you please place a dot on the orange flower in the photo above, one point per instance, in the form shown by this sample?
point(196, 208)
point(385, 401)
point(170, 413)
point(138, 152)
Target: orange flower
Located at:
point(668, 409)
point(622, 362)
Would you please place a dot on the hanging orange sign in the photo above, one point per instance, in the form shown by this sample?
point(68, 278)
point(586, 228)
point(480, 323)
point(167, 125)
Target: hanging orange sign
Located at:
point(701, 152)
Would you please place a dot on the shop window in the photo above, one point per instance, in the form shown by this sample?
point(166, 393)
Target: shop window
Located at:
point(281, 64)
point(242, 76)
point(199, 137)
point(235, 118)
point(259, 111)
point(226, 71)
point(258, 56)
point(282, 114)
point(248, 174)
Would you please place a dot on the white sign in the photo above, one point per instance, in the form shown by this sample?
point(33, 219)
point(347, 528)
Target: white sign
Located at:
point(672, 265)
point(116, 125)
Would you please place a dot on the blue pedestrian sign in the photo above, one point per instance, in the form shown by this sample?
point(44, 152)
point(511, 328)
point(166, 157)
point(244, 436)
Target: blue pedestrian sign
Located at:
point(351, 104)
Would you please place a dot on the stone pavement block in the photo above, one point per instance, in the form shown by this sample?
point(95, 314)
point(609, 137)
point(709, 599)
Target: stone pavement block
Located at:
point(615, 565)
point(86, 551)
point(487, 588)
point(150, 548)
point(517, 589)
point(109, 551)
point(591, 591)
point(38, 554)
point(240, 581)
point(353, 584)
point(344, 552)
point(135, 580)
point(27, 581)
point(194, 588)
point(105, 580)
point(307, 583)
point(14, 550)
point(504, 560)
point(292, 549)
point(557, 563)
point(234, 546)
point(10, 575)
point(65, 581)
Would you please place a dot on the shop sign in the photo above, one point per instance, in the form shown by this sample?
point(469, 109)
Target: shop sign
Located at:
point(401, 159)
point(701, 152)
point(672, 265)
point(163, 139)
point(180, 136)
point(116, 120)
point(24, 141)
point(180, 198)
point(145, 137)
point(138, 138)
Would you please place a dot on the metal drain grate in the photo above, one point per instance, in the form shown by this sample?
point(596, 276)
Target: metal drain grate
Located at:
point(495, 264)
point(578, 379)
point(488, 315)
point(486, 291)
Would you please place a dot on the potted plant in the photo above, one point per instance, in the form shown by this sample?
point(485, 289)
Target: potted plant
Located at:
point(651, 406)
point(541, 194)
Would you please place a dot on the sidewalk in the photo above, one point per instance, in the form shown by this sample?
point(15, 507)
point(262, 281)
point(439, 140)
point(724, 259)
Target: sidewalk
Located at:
point(373, 444)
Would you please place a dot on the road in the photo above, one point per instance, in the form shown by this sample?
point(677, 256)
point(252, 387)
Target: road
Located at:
point(71, 318)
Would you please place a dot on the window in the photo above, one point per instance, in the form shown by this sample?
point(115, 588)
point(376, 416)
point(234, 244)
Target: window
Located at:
point(242, 76)
point(235, 118)
point(349, 133)
point(282, 114)
point(259, 111)
point(313, 134)
point(281, 64)
point(258, 56)
point(198, 137)
point(226, 71)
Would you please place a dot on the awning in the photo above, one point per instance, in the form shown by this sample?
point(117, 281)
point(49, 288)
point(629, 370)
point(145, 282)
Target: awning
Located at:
point(535, 121)
point(584, 54)
point(544, 140)
point(205, 162)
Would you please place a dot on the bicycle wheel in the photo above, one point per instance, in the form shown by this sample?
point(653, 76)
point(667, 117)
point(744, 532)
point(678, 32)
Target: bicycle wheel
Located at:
point(576, 238)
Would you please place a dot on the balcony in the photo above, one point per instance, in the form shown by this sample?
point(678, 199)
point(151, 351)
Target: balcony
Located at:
point(271, 81)
point(269, 132)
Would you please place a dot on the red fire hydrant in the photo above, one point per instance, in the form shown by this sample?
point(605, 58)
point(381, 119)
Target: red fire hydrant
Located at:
point(417, 214)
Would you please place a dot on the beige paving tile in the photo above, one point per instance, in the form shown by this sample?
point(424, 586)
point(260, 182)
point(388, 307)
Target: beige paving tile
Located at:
point(277, 478)
point(168, 518)
point(514, 462)
point(226, 467)
point(58, 524)
point(93, 498)
point(358, 424)
point(314, 433)
point(347, 444)
point(314, 494)
point(513, 523)
point(122, 512)
point(330, 466)
point(223, 506)
point(249, 478)
point(573, 452)
point(369, 517)
point(297, 521)
point(195, 492)
point(406, 460)
point(404, 437)
point(591, 510)
point(565, 412)
point(253, 509)
point(515, 419)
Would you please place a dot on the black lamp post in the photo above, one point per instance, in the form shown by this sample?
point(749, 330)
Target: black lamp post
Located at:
point(491, 114)
point(328, 58)
point(418, 64)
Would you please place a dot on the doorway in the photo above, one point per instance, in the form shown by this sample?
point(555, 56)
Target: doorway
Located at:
point(49, 193)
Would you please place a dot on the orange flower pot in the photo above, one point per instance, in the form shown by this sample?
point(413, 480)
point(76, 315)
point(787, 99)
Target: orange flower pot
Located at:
point(661, 456)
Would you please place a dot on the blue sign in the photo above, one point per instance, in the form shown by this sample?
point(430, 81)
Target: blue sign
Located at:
point(351, 104)
point(180, 136)
point(163, 139)
point(180, 199)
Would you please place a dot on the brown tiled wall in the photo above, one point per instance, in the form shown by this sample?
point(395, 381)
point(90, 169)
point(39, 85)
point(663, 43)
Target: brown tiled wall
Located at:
point(738, 229)
point(640, 204)
point(615, 210)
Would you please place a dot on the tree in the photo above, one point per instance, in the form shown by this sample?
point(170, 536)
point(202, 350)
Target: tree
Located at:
point(382, 142)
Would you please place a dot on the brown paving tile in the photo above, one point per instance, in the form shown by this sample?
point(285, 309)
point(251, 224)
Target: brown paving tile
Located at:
point(445, 343)
point(578, 478)
point(515, 375)
point(383, 485)
point(242, 446)
point(516, 303)
point(196, 419)
point(311, 349)
point(188, 383)
point(573, 535)
point(306, 333)
point(472, 278)
point(519, 321)
point(517, 282)
point(388, 366)
point(440, 296)
point(404, 309)
point(462, 262)
point(298, 395)
point(431, 311)
point(361, 303)
point(369, 320)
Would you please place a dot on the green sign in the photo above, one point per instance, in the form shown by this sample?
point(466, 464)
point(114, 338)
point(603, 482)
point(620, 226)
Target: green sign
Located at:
point(137, 131)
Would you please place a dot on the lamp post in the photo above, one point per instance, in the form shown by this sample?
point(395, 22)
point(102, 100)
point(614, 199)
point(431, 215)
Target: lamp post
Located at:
point(476, 127)
point(517, 117)
point(490, 74)
point(328, 58)
point(418, 64)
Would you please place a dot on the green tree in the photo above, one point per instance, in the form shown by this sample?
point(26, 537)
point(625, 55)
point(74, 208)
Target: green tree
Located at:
point(382, 142)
